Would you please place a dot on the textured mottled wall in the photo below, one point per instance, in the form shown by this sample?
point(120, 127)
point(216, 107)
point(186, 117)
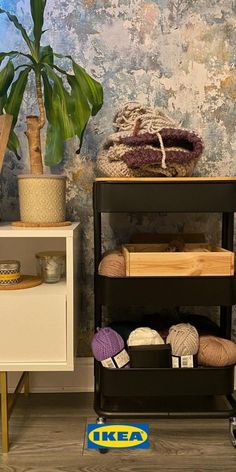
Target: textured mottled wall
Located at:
point(179, 54)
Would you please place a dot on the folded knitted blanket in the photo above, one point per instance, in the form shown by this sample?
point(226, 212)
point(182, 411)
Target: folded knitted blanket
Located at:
point(148, 143)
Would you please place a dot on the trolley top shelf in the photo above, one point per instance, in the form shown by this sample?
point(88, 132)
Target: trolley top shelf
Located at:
point(166, 179)
point(190, 194)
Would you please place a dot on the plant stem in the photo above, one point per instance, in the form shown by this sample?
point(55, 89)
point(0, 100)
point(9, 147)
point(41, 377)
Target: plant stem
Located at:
point(34, 142)
point(34, 126)
point(40, 101)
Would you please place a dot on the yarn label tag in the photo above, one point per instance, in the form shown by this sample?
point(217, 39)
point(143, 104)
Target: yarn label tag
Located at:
point(109, 363)
point(122, 358)
point(175, 362)
point(182, 361)
point(118, 361)
point(186, 361)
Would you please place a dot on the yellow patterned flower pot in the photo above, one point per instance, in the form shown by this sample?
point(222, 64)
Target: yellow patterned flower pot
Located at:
point(42, 198)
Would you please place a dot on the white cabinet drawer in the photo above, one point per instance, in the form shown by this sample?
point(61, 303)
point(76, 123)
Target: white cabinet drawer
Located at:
point(32, 328)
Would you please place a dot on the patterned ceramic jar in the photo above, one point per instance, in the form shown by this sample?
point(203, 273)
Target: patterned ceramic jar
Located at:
point(9, 272)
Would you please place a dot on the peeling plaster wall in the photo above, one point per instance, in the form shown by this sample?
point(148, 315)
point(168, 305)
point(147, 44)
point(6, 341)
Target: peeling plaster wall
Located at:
point(177, 54)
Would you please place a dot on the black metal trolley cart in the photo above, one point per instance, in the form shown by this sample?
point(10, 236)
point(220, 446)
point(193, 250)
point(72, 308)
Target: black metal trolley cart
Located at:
point(152, 392)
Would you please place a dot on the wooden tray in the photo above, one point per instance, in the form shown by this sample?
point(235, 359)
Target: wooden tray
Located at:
point(27, 281)
point(22, 224)
point(152, 260)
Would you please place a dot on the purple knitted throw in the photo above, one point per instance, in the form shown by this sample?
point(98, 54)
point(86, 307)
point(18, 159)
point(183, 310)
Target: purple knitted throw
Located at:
point(189, 145)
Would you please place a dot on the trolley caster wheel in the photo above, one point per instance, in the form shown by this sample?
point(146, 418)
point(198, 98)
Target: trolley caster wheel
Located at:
point(101, 420)
point(232, 430)
point(103, 450)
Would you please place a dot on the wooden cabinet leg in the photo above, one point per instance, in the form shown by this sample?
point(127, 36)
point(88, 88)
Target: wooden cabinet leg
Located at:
point(26, 384)
point(4, 412)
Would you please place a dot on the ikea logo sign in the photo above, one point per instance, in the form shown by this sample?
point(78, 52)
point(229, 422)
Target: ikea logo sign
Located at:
point(132, 436)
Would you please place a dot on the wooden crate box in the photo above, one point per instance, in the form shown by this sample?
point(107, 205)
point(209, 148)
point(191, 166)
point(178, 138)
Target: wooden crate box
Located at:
point(153, 260)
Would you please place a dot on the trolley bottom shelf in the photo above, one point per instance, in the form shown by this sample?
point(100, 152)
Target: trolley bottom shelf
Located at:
point(218, 406)
point(195, 392)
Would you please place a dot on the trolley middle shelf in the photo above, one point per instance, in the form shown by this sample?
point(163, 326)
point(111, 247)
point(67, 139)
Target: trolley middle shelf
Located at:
point(166, 291)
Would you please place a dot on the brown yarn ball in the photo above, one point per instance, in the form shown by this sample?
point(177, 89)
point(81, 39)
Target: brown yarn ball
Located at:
point(112, 264)
point(216, 352)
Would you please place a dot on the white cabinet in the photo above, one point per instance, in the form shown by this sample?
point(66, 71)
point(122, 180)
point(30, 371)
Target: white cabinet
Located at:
point(38, 326)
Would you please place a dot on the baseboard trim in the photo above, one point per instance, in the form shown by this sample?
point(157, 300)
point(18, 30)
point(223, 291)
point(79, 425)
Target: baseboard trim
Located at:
point(58, 390)
point(80, 380)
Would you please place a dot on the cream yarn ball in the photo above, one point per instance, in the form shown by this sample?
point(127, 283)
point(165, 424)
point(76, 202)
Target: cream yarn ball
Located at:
point(144, 336)
point(184, 339)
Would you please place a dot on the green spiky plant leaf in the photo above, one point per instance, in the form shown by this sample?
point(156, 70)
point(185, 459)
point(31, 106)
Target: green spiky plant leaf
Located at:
point(6, 78)
point(67, 100)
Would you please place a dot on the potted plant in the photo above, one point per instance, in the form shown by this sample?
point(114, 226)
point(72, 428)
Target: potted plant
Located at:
point(65, 102)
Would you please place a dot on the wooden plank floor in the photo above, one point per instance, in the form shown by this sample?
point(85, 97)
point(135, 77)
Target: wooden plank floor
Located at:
point(48, 434)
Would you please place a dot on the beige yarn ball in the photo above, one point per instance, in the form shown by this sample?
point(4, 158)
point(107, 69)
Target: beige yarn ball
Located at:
point(144, 337)
point(216, 352)
point(112, 264)
point(184, 339)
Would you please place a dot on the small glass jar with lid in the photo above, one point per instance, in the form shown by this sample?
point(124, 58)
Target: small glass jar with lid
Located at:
point(51, 265)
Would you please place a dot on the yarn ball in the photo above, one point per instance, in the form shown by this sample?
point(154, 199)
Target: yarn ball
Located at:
point(124, 328)
point(106, 343)
point(184, 339)
point(112, 264)
point(144, 336)
point(216, 352)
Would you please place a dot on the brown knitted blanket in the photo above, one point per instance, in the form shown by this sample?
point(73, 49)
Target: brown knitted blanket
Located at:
point(189, 146)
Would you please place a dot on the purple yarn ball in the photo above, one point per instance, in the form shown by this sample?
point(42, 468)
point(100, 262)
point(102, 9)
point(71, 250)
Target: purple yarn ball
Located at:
point(106, 343)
